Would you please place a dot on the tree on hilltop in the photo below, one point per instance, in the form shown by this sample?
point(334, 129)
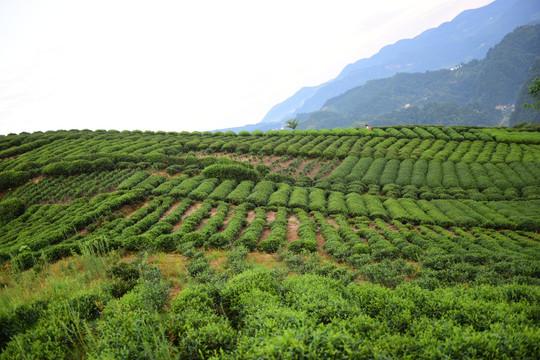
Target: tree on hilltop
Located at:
point(292, 123)
point(534, 91)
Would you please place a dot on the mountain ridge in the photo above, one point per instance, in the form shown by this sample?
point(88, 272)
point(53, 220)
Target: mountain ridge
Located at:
point(486, 87)
point(493, 21)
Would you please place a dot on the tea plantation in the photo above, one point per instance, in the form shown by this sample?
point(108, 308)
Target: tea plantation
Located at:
point(415, 242)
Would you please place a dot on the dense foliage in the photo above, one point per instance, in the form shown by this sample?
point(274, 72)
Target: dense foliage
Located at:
point(398, 242)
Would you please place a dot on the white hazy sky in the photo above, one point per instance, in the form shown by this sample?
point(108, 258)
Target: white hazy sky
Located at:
point(185, 65)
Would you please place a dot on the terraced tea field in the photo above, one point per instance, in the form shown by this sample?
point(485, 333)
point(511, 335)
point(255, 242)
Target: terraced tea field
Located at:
point(400, 242)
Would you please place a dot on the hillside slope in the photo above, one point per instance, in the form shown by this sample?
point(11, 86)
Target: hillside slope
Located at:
point(481, 86)
point(290, 244)
point(521, 113)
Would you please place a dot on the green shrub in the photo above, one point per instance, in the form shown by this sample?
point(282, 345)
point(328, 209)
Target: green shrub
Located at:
point(230, 171)
point(11, 209)
point(387, 273)
point(10, 179)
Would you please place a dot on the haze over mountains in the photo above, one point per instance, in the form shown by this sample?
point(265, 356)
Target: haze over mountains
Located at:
point(469, 36)
point(480, 92)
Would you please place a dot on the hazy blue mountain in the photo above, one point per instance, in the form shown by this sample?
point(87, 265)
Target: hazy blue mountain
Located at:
point(479, 92)
point(466, 37)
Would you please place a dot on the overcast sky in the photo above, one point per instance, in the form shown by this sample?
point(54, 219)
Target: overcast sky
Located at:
point(185, 65)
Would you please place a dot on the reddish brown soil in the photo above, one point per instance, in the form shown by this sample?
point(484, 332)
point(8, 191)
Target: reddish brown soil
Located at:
point(264, 234)
point(302, 165)
point(174, 206)
point(189, 211)
point(332, 169)
point(213, 212)
point(315, 169)
point(451, 232)
point(227, 219)
point(250, 216)
point(332, 222)
point(268, 160)
point(10, 158)
point(292, 228)
point(391, 227)
point(282, 165)
point(320, 241)
point(130, 209)
point(270, 216)
point(417, 230)
point(373, 227)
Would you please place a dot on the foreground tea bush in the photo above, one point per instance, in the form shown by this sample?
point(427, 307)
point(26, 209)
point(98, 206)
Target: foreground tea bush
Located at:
point(312, 316)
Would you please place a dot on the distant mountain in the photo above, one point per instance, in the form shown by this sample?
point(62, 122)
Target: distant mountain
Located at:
point(479, 92)
point(467, 37)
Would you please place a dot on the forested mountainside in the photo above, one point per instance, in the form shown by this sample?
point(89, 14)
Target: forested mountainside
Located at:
point(396, 242)
point(480, 92)
point(467, 37)
point(521, 113)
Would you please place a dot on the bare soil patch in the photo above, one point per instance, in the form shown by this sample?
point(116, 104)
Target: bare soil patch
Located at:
point(315, 169)
point(417, 229)
point(292, 228)
point(228, 218)
point(189, 211)
point(282, 165)
point(130, 209)
point(303, 164)
point(174, 206)
point(268, 160)
point(373, 227)
point(332, 169)
point(320, 242)
point(264, 234)
point(250, 216)
point(332, 222)
point(248, 158)
point(270, 216)
point(391, 227)
point(10, 158)
point(213, 212)
point(450, 232)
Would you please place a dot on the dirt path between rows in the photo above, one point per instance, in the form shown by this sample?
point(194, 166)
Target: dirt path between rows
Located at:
point(228, 218)
point(292, 228)
point(171, 209)
point(250, 216)
point(332, 222)
point(189, 211)
point(213, 212)
point(320, 242)
point(132, 208)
